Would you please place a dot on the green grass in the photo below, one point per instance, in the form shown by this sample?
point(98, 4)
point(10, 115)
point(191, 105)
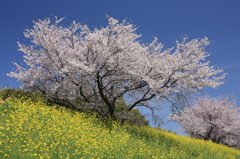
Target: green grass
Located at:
point(34, 130)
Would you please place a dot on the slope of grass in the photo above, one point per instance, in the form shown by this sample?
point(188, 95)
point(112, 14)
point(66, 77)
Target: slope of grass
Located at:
point(34, 130)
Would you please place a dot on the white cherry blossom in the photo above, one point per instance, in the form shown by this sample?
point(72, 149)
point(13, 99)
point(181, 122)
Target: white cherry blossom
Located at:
point(109, 63)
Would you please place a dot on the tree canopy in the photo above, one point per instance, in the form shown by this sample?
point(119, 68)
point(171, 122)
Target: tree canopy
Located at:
point(110, 63)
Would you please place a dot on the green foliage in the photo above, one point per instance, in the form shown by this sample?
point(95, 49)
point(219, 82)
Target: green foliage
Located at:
point(137, 118)
point(134, 117)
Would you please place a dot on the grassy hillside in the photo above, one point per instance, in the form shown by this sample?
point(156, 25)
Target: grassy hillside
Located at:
point(34, 130)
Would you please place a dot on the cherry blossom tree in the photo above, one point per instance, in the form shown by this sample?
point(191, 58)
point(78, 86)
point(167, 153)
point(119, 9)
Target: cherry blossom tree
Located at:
point(215, 119)
point(107, 64)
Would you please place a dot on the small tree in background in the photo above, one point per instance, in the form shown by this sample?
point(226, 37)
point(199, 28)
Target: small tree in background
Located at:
point(215, 119)
point(109, 64)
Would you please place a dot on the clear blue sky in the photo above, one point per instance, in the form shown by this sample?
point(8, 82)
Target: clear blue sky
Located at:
point(168, 20)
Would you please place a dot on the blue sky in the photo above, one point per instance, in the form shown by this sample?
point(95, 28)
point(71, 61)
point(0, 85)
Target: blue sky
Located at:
point(168, 20)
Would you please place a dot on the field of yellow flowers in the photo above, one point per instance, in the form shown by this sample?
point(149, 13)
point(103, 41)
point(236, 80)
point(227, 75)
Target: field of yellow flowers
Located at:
point(33, 130)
